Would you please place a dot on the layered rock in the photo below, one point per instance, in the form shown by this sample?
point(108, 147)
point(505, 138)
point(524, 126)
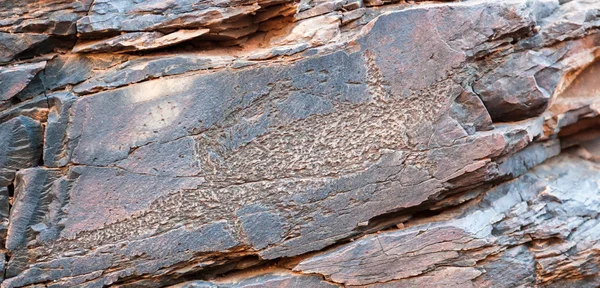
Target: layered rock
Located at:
point(545, 217)
point(299, 144)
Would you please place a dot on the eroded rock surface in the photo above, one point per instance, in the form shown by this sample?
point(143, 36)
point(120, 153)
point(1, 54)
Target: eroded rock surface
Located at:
point(310, 143)
point(545, 217)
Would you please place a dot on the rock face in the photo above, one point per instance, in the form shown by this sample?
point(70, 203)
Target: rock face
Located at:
point(279, 143)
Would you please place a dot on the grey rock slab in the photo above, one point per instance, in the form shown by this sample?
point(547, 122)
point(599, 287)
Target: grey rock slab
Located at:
point(31, 193)
point(73, 69)
point(326, 144)
point(277, 72)
point(181, 106)
point(261, 227)
point(21, 144)
point(47, 271)
point(515, 267)
point(144, 68)
point(12, 45)
point(174, 158)
point(530, 157)
point(111, 195)
point(552, 201)
point(124, 15)
point(15, 78)
point(441, 49)
point(93, 221)
point(36, 109)
point(53, 17)
point(55, 138)
point(138, 41)
point(6, 177)
point(4, 216)
point(144, 256)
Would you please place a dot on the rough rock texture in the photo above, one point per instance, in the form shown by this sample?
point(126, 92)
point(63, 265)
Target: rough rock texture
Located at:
point(313, 143)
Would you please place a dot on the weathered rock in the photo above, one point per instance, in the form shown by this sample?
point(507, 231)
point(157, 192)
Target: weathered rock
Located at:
point(575, 108)
point(267, 280)
point(321, 8)
point(525, 82)
point(144, 68)
point(55, 144)
point(22, 139)
point(36, 109)
point(64, 71)
point(535, 208)
point(236, 141)
point(56, 17)
point(275, 11)
point(514, 90)
point(12, 45)
point(4, 218)
point(6, 177)
point(61, 73)
point(314, 32)
point(14, 79)
point(74, 69)
point(213, 140)
point(138, 41)
point(32, 192)
point(124, 15)
point(572, 19)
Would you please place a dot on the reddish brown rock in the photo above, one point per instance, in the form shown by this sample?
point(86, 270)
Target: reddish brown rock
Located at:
point(527, 221)
point(55, 17)
point(276, 143)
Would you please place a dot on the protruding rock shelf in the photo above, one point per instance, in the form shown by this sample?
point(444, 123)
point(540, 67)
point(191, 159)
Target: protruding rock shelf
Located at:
point(312, 143)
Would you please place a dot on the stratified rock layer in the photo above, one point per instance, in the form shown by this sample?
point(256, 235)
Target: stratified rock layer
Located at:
point(312, 143)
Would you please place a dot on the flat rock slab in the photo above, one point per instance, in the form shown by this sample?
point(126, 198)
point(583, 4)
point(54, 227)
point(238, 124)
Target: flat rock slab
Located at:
point(14, 79)
point(550, 202)
point(54, 17)
point(132, 159)
point(125, 15)
point(138, 41)
point(11, 45)
point(21, 144)
point(144, 68)
point(267, 280)
point(278, 165)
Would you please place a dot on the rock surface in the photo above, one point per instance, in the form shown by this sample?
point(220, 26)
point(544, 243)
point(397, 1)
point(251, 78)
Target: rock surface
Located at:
point(277, 143)
point(138, 41)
